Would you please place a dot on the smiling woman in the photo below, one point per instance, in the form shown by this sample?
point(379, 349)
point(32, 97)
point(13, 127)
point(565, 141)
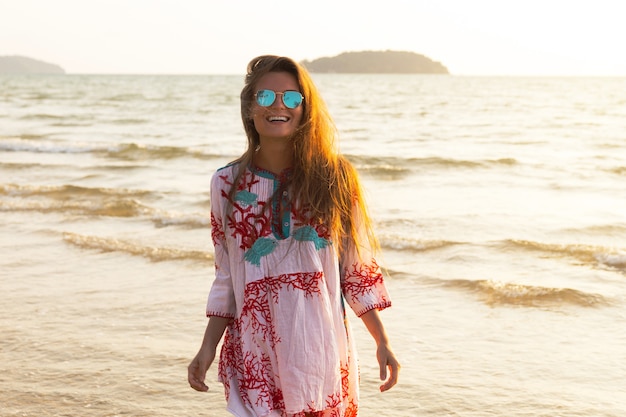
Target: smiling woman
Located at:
point(292, 240)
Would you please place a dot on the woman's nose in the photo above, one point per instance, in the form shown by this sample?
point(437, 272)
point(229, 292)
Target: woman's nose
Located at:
point(278, 102)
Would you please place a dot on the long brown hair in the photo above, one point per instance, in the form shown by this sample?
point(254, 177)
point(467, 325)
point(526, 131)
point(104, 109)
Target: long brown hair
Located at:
point(323, 182)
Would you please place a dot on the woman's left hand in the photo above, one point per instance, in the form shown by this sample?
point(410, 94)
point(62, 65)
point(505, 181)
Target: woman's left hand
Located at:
point(388, 362)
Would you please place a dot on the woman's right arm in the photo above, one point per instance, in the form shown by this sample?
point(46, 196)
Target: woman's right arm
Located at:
point(196, 372)
point(221, 301)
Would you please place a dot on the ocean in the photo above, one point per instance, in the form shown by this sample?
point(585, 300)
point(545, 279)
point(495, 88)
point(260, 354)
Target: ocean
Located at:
point(500, 204)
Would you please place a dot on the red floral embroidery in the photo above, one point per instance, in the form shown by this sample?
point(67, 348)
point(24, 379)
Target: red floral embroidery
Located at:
point(333, 401)
point(231, 357)
point(256, 309)
point(248, 222)
point(308, 282)
point(345, 379)
point(360, 280)
point(302, 218)
point(217, 233)
point(259, 378)
point(255, 373)
point(352, 410)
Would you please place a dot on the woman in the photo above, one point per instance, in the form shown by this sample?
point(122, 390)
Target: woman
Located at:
point(292, 241)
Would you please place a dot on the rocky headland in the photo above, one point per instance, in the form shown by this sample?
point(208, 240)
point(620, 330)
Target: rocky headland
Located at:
point(376, 62)
point(16, 64)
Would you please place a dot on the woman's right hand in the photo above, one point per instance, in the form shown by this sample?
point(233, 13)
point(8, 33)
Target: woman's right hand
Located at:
point(197, 369)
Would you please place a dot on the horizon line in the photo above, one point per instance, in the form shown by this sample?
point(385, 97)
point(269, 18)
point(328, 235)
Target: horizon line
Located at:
point(328, 73)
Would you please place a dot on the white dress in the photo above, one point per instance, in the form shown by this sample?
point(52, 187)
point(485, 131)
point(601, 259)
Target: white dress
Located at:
point(288, 349)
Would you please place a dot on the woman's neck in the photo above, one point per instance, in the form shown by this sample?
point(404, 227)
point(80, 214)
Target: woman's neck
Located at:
point(274, 155)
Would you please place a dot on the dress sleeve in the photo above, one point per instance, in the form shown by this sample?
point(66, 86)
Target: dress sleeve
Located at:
point(221, 299)
point(362, 281)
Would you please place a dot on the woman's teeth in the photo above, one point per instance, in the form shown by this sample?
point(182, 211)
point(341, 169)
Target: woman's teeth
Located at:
point(277, 119)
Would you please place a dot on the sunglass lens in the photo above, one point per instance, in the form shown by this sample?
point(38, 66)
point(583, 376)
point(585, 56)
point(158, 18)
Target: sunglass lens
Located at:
point(292, 99)
point(265, 97)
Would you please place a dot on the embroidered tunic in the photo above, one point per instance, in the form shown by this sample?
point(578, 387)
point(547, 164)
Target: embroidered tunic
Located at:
point(288, 349)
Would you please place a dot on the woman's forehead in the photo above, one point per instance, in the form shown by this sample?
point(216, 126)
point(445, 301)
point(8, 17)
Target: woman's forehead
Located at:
point(278, 81)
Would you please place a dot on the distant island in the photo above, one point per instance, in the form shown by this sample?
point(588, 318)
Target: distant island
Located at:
point(376, 62)
point(23, 65)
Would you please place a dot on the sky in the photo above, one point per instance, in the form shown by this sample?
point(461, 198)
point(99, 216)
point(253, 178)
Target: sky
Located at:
point(469, 37)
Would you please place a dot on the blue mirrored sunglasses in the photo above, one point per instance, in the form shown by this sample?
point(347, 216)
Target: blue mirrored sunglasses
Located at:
point(291, 99)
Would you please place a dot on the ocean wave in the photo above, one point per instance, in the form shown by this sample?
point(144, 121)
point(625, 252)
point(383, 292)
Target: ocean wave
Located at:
point(191, 221)
point(413, 245)
point(133, 151)
point(28, 145)
point(397, 166)
point(125, 97)
point(43, 116)
point(66, 191)
point(64, 119)
point(154, 253)
point(129, 121)
point(96, 201)
point(496, 293)
point(124, 151)
point(599, 229)
point(615, 260)
point(70, 124)
point(22, 165)
point(24, 136)
point(587, 254)
point(72, 199)
point(119, 208)
point(618, 170)
point(390, 172)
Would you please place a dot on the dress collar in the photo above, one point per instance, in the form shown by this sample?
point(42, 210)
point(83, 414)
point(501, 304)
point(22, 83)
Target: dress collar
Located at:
point(283, 175)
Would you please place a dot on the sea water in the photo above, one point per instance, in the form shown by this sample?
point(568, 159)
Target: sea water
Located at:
point(500, 204)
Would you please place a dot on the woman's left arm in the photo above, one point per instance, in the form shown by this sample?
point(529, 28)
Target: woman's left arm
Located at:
point(386, 359)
